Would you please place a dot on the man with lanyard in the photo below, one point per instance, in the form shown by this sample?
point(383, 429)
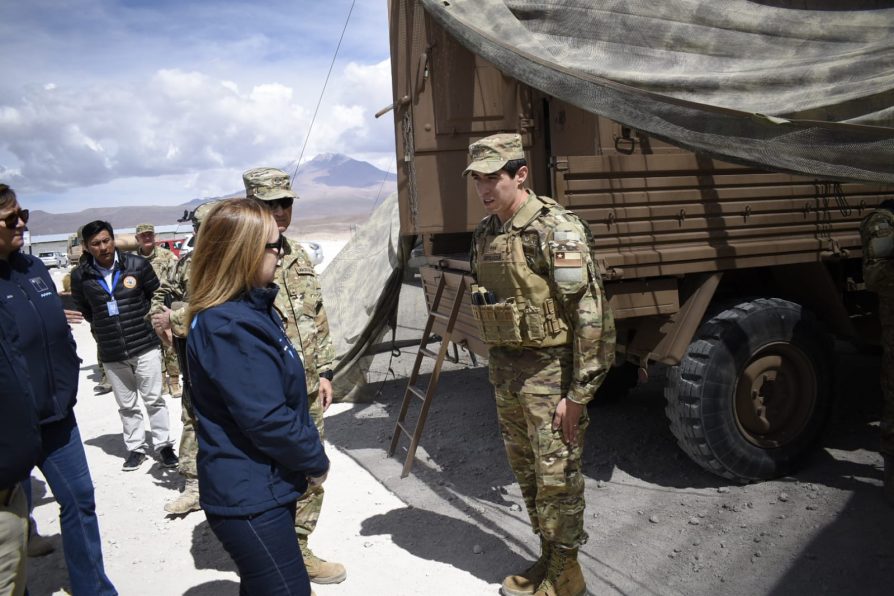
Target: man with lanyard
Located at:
point(163, 263)
point(300, 301)
point(113, 291)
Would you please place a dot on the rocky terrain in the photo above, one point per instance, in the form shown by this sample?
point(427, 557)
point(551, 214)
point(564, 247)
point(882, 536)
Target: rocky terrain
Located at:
point(658, 523)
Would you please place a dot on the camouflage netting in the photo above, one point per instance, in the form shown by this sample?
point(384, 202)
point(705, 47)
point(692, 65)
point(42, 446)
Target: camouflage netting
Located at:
point(798, 85)
point(361, 287)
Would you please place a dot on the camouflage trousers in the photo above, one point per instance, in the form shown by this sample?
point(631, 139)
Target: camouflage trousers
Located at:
point(548, 471)
point(311, 502)
point(886, 317)
point(189, 445)
point(170, 366)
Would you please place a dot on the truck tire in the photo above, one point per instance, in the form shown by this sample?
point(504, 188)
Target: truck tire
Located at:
point(750, 397)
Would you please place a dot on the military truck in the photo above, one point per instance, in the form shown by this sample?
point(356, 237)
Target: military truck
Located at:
point(74, 248)
point(737, 278)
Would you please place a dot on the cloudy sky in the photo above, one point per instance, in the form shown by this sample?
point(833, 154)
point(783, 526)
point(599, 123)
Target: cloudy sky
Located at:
point(122, 102)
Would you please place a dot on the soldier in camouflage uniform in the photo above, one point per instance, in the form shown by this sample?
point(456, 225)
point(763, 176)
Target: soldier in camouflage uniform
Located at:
point(541, 307)
point(163, 263)
point(877, 233)
point(168, 323)
point(300, 301)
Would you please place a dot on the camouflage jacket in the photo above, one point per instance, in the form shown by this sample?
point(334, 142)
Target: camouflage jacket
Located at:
point(575, 370)
point(174, 289)
point(877, 234)
point(300, 301)
point(163, 262)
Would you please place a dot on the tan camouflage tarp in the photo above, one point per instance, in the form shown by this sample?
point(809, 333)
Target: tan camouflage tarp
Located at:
point(361, 287)
point(798, 85)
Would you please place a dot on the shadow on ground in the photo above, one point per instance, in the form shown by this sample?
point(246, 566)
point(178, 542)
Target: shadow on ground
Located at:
point(219, 587)
point(469, 547)
point(207, 551)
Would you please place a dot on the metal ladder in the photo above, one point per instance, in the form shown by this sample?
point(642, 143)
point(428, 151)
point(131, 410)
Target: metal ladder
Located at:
point(401, 428)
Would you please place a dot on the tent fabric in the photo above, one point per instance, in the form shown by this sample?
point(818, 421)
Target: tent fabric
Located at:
point(804, 86)
point(361, 287)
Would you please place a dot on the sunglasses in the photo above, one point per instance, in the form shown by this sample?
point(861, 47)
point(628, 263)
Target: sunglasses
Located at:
point(278, 245)
point(283, 203)
point(13, 218)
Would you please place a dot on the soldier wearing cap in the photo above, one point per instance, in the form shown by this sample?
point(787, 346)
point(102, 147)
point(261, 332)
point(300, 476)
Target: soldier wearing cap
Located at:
point(300, 301)
point(877, 234)
point(171, 327)
point(163, 263)
point(541, 308)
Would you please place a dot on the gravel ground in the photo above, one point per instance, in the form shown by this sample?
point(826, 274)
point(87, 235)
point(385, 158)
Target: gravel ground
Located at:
point(658, 523)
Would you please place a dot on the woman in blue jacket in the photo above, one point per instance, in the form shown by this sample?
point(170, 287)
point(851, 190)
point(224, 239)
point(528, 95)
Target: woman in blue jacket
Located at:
point(28, 295)
point(258, 448)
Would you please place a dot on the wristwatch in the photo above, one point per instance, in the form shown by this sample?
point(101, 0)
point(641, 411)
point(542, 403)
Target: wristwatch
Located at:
point(327, 375)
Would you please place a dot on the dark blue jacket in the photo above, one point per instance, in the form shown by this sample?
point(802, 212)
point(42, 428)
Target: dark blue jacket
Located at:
point(28, 295)
point(257, 442)
point(19, 429)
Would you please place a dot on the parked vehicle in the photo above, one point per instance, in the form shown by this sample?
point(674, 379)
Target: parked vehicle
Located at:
point(187, 245)
point(53, 259)
point(736, 278)
point(175, 245)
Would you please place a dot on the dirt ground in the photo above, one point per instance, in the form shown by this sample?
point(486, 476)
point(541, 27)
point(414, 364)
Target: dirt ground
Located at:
point(658, 523)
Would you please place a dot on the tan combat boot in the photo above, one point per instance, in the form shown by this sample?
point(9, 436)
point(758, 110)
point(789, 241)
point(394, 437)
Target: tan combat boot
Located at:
point(889, 479)
point(176, 391)
point(319, 570)
point(187, 501)
point(527, 581)
point(563, 575)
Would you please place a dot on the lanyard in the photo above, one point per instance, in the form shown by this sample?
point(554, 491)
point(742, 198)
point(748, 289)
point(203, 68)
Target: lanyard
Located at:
point(105, 286)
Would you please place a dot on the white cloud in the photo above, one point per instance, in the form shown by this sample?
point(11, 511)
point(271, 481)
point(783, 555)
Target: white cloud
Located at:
point(181, 124)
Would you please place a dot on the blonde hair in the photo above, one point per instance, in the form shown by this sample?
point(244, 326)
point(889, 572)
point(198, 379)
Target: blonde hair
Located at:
point(228, 253)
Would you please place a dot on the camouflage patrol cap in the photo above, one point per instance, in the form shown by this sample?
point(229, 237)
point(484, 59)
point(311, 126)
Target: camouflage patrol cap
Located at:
point(490, 154)
point(145, 228)
point(200, 212)
point(267, 184)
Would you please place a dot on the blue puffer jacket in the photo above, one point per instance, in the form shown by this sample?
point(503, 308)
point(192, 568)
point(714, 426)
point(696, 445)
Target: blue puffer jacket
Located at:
point(28, 294)
point(257, 443)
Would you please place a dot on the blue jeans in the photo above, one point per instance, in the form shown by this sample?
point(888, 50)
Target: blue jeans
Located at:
point(64, 465)
point(265, 550)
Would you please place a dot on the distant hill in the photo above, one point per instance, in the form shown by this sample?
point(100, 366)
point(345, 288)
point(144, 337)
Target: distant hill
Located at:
point(331, 187)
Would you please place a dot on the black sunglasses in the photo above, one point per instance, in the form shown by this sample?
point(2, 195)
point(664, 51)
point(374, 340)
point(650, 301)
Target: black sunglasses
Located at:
point(13, 218)
point(277, 245)
point(284, 203)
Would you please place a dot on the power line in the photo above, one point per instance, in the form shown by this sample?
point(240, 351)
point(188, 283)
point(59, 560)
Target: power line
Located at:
point(322, 92)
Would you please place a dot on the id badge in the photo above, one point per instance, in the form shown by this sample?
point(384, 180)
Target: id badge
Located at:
point(112, 305)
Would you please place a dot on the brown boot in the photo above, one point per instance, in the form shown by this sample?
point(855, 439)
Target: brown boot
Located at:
point(889, 479)
point(563, 575)
point(187, 501)
point(176, 391)
point(527, 581)
point(319, 570)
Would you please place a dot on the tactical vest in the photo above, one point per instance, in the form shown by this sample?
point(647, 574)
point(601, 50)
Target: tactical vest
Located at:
point(524, 313)
point(877, 234)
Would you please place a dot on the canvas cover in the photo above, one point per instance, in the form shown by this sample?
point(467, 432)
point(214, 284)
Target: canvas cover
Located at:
point(797, 85)
point(361, 287)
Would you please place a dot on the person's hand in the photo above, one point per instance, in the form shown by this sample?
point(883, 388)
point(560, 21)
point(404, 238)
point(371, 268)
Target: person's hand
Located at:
point(325, 393)
point(161, 323)
point(317, 480)
point(73, 316)
point(566, 417)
